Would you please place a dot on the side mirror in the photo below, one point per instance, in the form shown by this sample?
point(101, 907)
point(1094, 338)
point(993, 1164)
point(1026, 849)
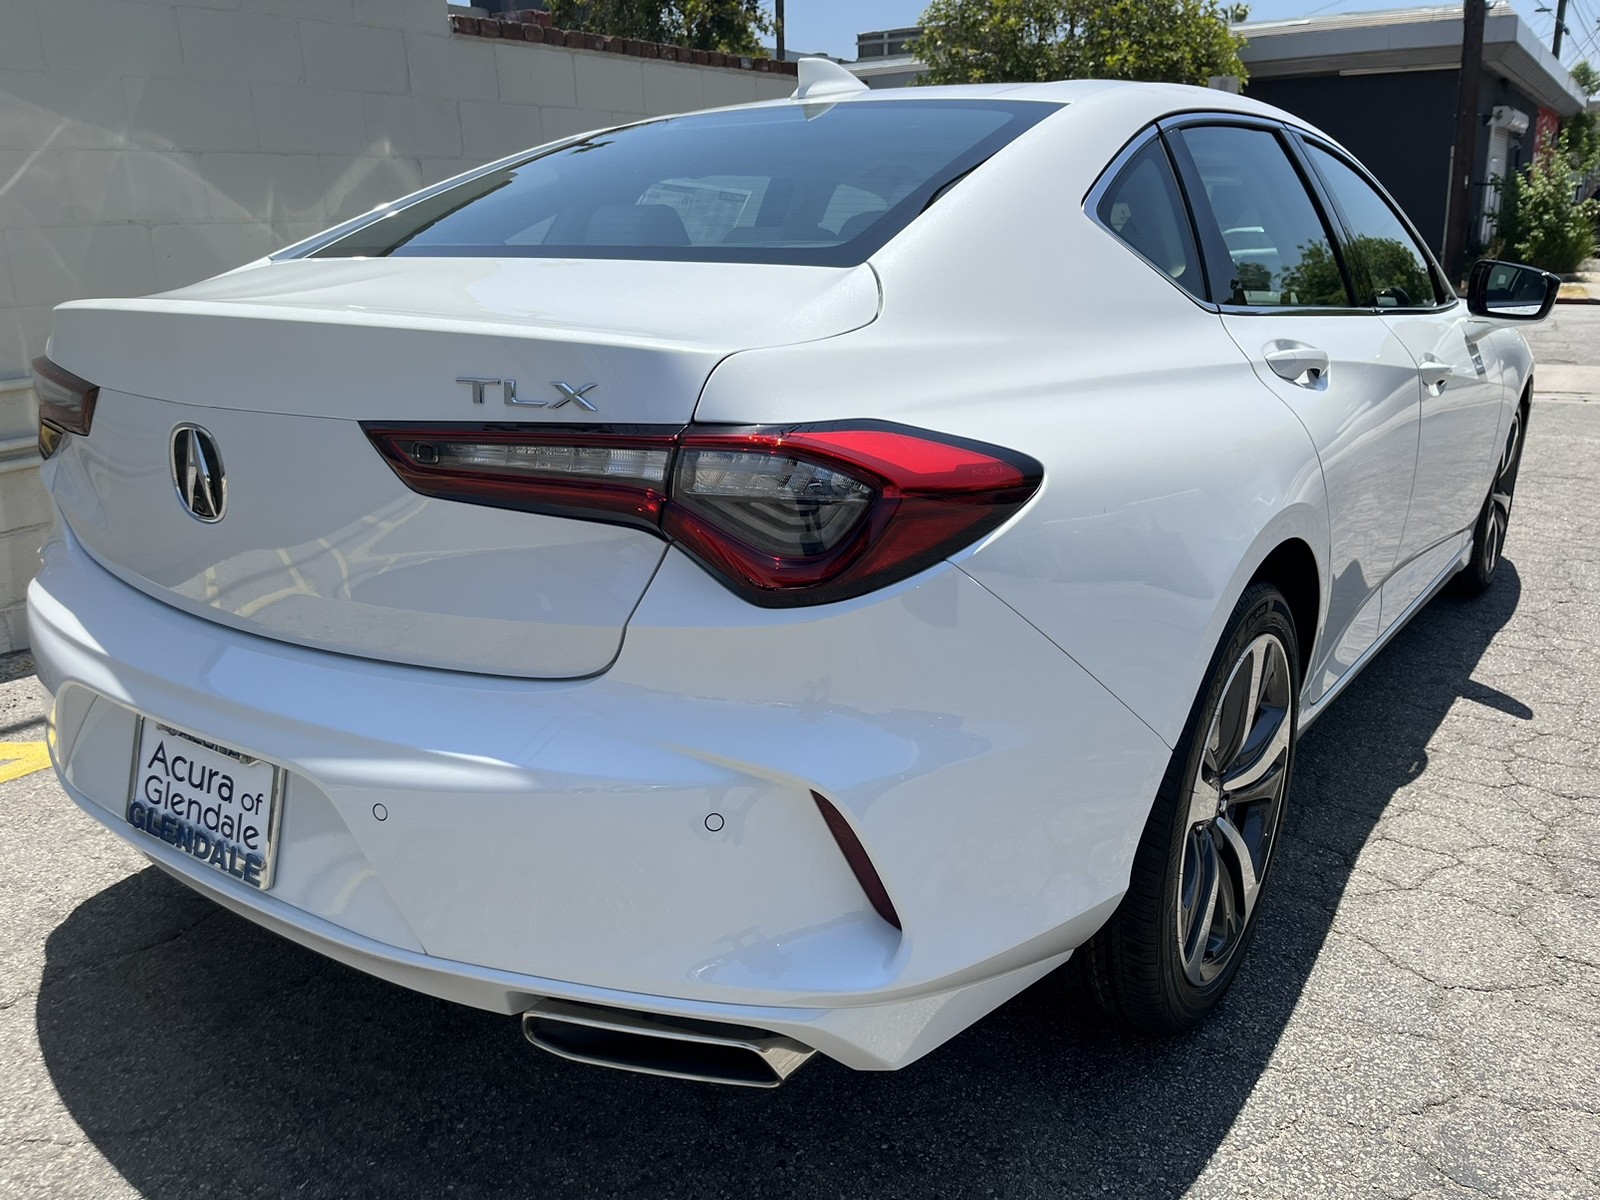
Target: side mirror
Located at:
point(1507, 291)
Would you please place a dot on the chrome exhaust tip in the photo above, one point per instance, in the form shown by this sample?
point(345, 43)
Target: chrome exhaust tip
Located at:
point(677, 1047)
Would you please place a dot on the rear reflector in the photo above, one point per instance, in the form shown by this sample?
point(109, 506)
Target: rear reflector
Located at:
point(66, 404)
point(791, 516)
point(860, 865)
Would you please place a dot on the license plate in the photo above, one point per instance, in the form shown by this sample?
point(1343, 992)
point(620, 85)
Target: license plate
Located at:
point(215, 804)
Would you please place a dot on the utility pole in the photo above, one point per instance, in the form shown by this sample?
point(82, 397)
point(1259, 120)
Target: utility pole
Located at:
point(1457, 207)
point(777, 6)
point(1561, 27)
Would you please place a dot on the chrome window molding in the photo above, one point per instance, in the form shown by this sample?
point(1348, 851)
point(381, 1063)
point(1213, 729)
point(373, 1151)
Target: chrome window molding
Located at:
point(1102, 184)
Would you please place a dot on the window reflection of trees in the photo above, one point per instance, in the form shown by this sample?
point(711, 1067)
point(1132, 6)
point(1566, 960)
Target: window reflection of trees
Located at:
point(1316, 278)
point(1388, 272)
point(1399, 278)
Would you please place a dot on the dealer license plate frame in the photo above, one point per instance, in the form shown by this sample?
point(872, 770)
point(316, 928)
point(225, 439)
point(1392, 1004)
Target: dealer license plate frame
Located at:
point(274, 792)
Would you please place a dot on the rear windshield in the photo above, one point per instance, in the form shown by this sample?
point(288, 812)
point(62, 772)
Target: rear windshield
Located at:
point(814, 184)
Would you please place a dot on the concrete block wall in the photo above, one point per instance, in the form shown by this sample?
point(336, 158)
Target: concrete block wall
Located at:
point(24, 511)
point(147, 144)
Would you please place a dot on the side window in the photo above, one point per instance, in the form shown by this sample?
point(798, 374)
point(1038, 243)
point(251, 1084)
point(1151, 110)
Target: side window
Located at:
point(1143, 208)
point(1391, 270)
point(1278, 249)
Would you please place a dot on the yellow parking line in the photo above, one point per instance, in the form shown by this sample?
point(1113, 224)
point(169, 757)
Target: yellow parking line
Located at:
point(22, 758)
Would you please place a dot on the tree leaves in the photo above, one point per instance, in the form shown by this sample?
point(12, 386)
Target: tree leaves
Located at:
point(729, 26)
point(1004, 41)
point(1541, 221)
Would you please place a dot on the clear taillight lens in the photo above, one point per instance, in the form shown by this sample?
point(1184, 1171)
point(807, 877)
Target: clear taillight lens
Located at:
point(615, 475)
point(783, 505)
point(792, 516)
point(66, 404)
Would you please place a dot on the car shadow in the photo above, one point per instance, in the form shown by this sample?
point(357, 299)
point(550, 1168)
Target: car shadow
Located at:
point(205, 1057)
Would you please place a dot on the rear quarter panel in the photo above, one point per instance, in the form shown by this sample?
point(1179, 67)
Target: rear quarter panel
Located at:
point(1010, 317)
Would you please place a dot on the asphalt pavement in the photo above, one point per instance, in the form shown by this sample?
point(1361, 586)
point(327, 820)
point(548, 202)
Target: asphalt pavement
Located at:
point(1419, 1017)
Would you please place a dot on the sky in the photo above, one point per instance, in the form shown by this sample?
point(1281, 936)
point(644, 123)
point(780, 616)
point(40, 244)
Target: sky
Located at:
point(831, 25)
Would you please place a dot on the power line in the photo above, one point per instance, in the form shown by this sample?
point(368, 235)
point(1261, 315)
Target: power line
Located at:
point(1589, 28)
point(1584, 30)
point(1588, 34)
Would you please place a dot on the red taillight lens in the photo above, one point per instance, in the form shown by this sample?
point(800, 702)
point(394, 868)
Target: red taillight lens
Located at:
point(794, 516)
point(66, 404)
point(809, 515)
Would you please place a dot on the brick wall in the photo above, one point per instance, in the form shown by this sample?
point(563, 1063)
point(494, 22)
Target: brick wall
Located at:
point(147, 144)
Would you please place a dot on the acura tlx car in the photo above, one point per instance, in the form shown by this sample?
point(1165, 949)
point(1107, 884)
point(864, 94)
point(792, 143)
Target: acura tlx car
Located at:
point(773, 580)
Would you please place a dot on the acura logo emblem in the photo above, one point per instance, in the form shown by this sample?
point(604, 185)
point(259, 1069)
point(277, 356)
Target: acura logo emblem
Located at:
point(197, 473)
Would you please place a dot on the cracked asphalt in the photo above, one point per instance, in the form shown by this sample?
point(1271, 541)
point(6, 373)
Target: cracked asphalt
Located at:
point(1420, 1015)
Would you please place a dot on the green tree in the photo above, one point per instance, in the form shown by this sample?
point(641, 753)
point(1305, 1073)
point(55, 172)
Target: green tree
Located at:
point(1586, 77)
point(731, 26)
point(1542, 222)
point(1583, 130)
point(998, 41)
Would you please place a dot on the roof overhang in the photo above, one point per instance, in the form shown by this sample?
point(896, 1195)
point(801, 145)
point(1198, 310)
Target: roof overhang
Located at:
point(899, 64)
point(1419, 39)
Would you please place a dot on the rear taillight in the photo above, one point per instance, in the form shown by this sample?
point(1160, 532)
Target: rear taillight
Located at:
point(617, 475)
point(66, 404)
point(790, 516)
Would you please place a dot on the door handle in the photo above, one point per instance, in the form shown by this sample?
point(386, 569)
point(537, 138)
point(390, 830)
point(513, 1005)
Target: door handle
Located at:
point(1435, 375)
point(1303, 366)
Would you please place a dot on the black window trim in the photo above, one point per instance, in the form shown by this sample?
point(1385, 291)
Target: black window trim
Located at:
point(1109, 176)
point(1212, 248)
point(1301, 139)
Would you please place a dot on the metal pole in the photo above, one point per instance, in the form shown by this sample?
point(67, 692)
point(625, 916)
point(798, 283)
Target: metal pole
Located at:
point(1458, 205)
point(1561, 27)
point(778, 13)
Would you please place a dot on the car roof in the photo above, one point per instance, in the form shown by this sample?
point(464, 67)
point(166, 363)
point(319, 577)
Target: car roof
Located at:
point(1138, 100)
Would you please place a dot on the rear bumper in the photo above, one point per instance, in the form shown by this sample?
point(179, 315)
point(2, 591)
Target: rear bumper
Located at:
point(553, 839)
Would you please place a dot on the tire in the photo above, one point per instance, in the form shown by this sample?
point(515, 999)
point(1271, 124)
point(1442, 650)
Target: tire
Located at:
point(1169, 953)
point(1494, 518)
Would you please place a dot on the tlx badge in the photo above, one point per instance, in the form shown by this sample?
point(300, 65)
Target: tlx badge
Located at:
point(570, 393)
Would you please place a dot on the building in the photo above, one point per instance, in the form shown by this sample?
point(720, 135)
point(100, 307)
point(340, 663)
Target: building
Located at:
point(884, 58)
point(1383, 83)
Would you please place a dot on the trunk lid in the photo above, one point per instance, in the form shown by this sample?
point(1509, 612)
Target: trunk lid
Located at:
point(320, 542)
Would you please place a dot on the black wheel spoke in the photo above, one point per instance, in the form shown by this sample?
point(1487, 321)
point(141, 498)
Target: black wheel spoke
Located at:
point(1262, 754)
point(1239, 866)
point(1197, 911)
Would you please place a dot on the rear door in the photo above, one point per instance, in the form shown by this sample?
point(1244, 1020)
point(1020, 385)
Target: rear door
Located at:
point(1285, 292)
point(1461, 400)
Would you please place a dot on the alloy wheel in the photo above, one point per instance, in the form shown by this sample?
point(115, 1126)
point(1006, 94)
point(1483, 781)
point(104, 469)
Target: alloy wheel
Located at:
point(1505, 479)
point(1234, 805)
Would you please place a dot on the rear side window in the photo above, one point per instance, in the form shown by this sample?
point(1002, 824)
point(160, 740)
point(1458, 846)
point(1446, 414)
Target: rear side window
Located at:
point(1143, 208)
point(1279, 252)
point(811, 184)
point(1390, 269)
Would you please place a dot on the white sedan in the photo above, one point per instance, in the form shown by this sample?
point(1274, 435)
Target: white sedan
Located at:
point(773, 580)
